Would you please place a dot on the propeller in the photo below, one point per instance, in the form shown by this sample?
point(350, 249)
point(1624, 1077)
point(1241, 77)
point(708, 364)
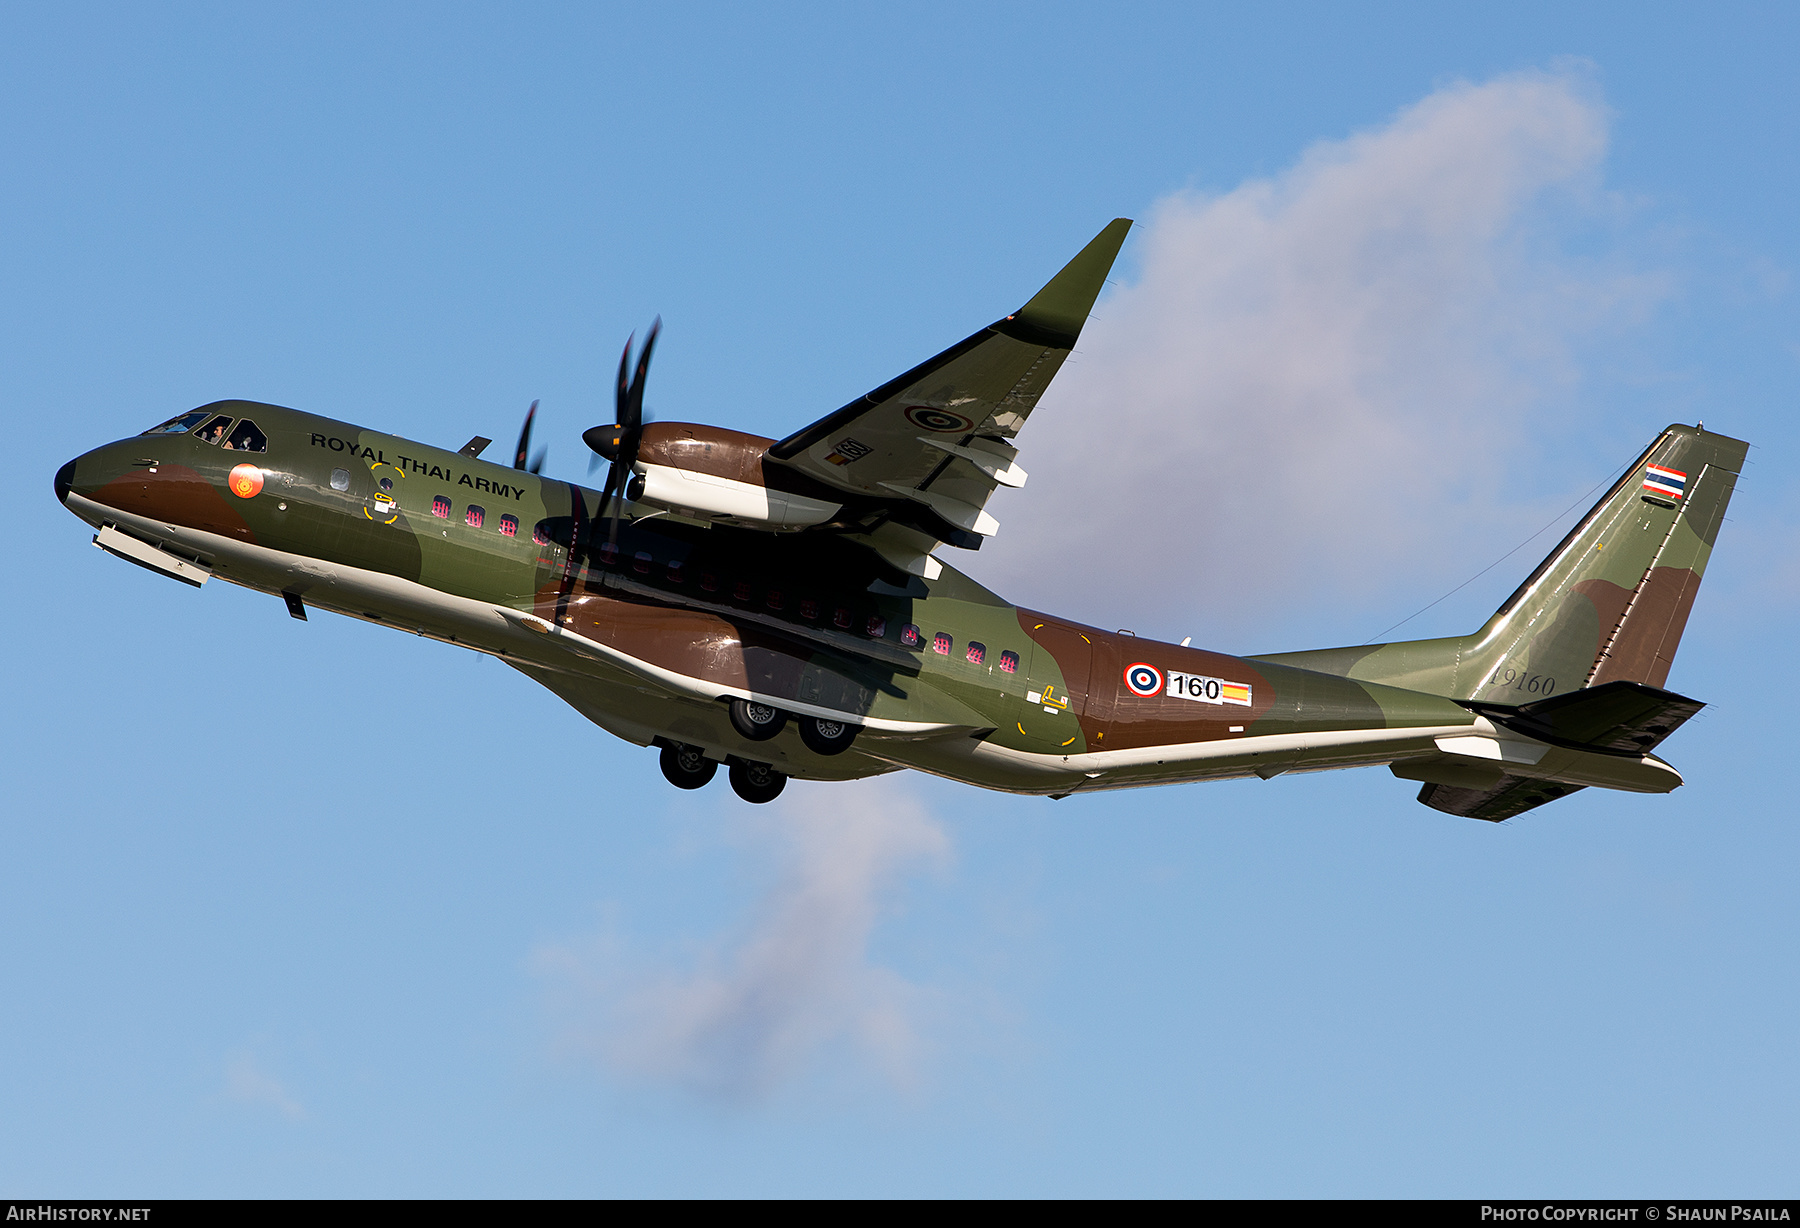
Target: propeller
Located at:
point(618, 441)
point(537, 464)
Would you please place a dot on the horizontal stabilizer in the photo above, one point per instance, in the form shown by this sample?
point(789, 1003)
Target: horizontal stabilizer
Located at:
point(1513, 795)
point(1628, 718)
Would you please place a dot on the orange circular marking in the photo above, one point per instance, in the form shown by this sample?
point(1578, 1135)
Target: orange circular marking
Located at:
point(246, 481)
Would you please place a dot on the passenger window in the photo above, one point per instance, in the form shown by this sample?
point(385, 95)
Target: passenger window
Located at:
point(1009, 662)
point(841, 619)
point(181, 425)
point(214, 431)
point(340, 479)
point(774, 599)
point(741, 590)
point(388, 484)
point(877, 627)
point(640, 563)
point(709, 583)
point(909, 636)
point(609, 554)
point(246, 438)
point(940, 644)
point(977, 653)
point(474, 516)
point(809, 609)
point(509, 524)
point(674, 573)
point(440, 506)
point(538, 535)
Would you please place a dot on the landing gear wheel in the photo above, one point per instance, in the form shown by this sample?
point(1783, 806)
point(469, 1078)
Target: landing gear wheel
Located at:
point(756, 782)
point(757, 721)
point(687, 767)
point(823, 737)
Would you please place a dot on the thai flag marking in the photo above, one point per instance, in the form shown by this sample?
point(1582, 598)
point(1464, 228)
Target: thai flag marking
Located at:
point(1668, 482)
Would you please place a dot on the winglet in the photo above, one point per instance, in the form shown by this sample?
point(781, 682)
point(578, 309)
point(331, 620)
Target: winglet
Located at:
point(1055, 314)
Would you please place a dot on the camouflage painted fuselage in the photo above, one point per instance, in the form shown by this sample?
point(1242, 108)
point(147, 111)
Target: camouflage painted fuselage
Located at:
point(648, 641)
point(984, 691)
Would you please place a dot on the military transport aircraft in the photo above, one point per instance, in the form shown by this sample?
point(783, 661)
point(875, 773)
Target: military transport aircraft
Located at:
point(781, 606)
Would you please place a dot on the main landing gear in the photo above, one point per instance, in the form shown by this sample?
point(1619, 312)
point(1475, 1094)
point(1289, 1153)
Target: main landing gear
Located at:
point(756, 782)
point(759, 722)
point(687, 767)
point(823, 737)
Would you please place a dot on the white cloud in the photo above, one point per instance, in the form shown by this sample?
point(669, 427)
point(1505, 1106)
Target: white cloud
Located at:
point(248, 1083)
point(1318, 372)
point(761, 1004)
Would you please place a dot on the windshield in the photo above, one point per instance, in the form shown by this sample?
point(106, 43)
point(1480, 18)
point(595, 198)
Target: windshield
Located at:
point(214, 431)
point(176, 426)
point(246, 438)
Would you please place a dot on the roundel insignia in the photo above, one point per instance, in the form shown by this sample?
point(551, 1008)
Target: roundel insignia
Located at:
point(246, 481)
point(940, 420)
point(1145, 680)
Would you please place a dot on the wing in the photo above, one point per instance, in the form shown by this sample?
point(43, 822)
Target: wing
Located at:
point(924, 452)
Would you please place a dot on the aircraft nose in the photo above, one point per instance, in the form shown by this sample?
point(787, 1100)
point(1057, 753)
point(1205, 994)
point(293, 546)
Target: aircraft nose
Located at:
point(65, 482)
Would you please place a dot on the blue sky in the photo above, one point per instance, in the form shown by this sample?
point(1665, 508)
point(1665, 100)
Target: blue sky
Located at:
point(317, 909)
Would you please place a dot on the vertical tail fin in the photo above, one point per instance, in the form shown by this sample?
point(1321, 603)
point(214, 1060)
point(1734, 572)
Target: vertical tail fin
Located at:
point(1609, 603)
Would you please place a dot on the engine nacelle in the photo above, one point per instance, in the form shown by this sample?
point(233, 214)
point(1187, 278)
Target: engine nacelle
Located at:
point(711, 473)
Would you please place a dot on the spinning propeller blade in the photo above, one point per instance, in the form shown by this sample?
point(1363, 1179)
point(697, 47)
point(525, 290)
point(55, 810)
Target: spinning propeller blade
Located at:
point(618, 442)
point(537, 465)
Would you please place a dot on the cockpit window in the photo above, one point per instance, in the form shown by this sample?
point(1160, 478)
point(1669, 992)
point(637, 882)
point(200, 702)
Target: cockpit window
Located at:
point(176, 426)
point(246, 438)
point(214, 431)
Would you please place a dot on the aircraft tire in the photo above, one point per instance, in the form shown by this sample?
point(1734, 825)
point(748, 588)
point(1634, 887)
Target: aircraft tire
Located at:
point(756, 782)
point(757, 721)
point(824, 737)
point(686, 767)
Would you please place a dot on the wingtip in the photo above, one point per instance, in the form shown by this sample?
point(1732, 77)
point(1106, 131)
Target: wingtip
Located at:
point(1055, 315)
